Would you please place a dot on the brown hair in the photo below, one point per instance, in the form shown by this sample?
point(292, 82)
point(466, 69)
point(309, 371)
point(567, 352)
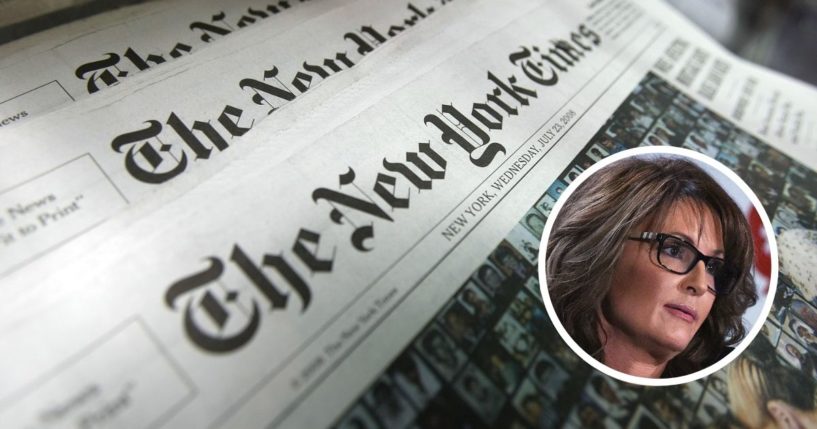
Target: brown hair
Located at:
point(588, 235)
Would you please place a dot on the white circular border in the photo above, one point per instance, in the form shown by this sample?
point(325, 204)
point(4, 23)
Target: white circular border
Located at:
point(758, 324)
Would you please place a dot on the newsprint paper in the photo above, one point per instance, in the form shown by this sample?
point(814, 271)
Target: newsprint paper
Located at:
point(15, 11)
point(213, 98)
point(57, 67)
point(367, 257)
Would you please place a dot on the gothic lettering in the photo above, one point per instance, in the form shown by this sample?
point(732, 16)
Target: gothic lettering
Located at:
point(260, 88)
point(103, 70)
point(146, 150)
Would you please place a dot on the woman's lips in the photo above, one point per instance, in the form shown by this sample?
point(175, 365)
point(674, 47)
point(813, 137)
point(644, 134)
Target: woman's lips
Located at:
point(681, 311)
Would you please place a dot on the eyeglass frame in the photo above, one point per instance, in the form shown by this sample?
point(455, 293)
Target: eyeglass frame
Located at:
point(648, 236)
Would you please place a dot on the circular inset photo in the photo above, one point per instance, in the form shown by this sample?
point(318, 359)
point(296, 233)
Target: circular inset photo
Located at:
point(656, 264)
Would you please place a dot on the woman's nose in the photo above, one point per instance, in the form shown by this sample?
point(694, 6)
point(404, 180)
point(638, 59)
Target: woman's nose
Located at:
point(697, 281)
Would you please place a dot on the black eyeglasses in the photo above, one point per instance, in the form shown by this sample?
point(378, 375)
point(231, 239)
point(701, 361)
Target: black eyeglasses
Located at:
point(679, 256)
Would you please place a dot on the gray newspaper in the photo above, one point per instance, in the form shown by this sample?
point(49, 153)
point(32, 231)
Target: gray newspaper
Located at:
point(16, 11)
point(172, 259)
point(57, 67)
point(253, 84)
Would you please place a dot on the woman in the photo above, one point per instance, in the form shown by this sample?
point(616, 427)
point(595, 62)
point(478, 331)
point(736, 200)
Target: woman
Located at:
point(648, 267)
point(763, 393)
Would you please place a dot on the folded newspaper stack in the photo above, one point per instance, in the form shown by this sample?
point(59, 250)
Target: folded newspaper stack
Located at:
point(328, 213)
point(19, 11)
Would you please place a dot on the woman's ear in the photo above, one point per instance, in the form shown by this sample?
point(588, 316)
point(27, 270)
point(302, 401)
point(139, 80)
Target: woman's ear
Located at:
point(784, 415)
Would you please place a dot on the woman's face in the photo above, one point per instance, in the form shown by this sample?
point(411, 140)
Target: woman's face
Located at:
point(655, 310)
point(803, 332)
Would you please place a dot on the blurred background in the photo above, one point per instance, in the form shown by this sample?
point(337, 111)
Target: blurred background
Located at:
point(780, 34)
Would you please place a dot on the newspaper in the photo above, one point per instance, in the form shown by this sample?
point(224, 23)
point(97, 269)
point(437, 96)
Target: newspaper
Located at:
point(762, 101)
point(194, 132)
point(15, 11)
point(158, 107)
point(72, 62)
point(49, 38)
point(298, 285)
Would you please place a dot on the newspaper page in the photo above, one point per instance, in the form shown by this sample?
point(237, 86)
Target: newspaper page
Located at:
point(329, 288)
point(192, 133)
point(195, 130)
point(764, 102)
point(69, 63)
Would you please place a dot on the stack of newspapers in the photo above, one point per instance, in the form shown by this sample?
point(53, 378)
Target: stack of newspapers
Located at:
point(326, 213)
